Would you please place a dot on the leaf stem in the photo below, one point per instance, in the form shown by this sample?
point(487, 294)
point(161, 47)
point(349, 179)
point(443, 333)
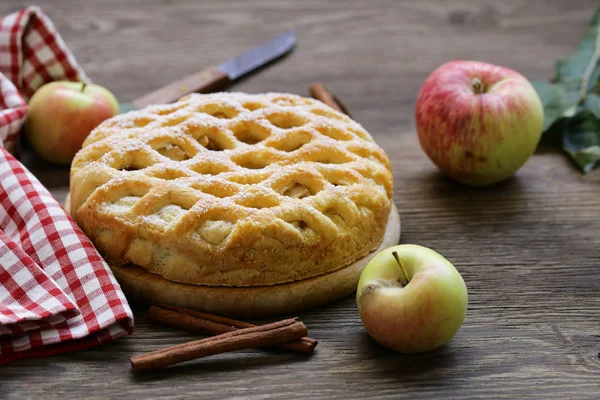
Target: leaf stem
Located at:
point(589, 69)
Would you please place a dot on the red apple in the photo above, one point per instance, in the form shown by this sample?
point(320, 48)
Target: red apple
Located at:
point(62, 114)
point(478, 122)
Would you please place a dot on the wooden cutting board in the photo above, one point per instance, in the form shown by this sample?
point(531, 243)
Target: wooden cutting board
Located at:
point(249, 302)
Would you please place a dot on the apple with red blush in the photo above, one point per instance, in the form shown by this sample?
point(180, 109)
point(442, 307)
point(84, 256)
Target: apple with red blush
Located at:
point(411, 299)
point(478, 122)
point(62, 114)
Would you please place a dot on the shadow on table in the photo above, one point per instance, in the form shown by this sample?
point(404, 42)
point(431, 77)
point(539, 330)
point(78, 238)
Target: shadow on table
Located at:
point(50, 175)
point(440, 184)
point(434, 364)
point(438, 196)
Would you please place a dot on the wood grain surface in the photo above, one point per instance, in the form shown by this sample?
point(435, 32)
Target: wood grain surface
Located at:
point(528, 248)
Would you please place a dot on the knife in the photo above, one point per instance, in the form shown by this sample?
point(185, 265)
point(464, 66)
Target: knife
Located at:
point(215, 78)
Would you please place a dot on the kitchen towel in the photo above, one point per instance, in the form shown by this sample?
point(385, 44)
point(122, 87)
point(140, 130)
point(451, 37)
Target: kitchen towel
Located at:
point(32, 53)
point(56, 292)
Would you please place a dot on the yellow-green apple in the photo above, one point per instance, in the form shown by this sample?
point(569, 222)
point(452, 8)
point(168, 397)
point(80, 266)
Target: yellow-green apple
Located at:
point(478, 122)
point(411, 299)
point(62, 114)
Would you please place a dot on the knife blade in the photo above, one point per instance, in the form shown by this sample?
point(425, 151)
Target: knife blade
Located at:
point(215, 78)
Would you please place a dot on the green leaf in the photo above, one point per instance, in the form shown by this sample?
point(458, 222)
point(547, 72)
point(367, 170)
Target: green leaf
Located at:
point(591, 103)
point(556, 100)
point(581, 139)
point(572, 69)
point(572, 101)
point(553, 136)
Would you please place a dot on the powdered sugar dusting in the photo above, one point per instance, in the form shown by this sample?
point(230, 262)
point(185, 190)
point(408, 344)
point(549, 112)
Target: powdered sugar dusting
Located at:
point(262, 163)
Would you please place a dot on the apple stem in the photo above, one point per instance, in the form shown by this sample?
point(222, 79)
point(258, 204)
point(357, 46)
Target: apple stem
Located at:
point(83, 85)
point(477, 86)
point(406, 280)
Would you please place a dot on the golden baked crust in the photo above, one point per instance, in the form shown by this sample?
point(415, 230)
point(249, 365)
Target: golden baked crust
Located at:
point(232, 189)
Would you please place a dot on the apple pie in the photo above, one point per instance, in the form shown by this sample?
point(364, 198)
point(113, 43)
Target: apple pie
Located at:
point(232, 189)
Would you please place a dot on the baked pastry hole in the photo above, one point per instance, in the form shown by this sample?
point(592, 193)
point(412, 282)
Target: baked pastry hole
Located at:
point(130, 168)
point(291, 142)
point(167, 111)
point(214, 145)
point(304, 229)
point(341, 214)
point(173, 152)
point(209, 168)
point(169, 213)
point(123, 204)
point(300, 188)
point(195, 130)
point(286, 121)
point(208, 137)
point(252, 164)
point(142, 122)
point(176, 120)
point(170, 207)
point(299, 224)
point(252, 106)
point(250, 133)
point(334, 215)
point(203, 141)
point(332, 158)
point(297, 191)
point(130, 161)
point(326, 113)
point(220, 115)
point(251, 161)
point(214, 231)
point(133, 165)
point(334, 133)
point(125, 197)
point(340, 178)
point(218, 111)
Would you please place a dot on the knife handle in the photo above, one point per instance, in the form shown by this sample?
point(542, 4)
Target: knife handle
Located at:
point(207, 80)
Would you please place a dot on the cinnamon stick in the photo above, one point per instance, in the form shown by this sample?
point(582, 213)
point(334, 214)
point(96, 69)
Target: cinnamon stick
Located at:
point(319, 92)
point(248, 338)
point(197, 321)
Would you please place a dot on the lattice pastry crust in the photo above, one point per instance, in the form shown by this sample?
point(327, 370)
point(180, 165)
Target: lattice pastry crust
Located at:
point(232, 189)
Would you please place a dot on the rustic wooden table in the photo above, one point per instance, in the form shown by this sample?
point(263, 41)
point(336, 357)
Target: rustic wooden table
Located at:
point(528, 248)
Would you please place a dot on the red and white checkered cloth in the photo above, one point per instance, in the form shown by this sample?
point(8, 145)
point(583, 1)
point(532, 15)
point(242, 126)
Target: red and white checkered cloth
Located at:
point(32, 53)
point(56, 293)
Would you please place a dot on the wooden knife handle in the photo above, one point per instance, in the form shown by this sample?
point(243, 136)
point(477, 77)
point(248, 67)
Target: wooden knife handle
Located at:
point(205, 81)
